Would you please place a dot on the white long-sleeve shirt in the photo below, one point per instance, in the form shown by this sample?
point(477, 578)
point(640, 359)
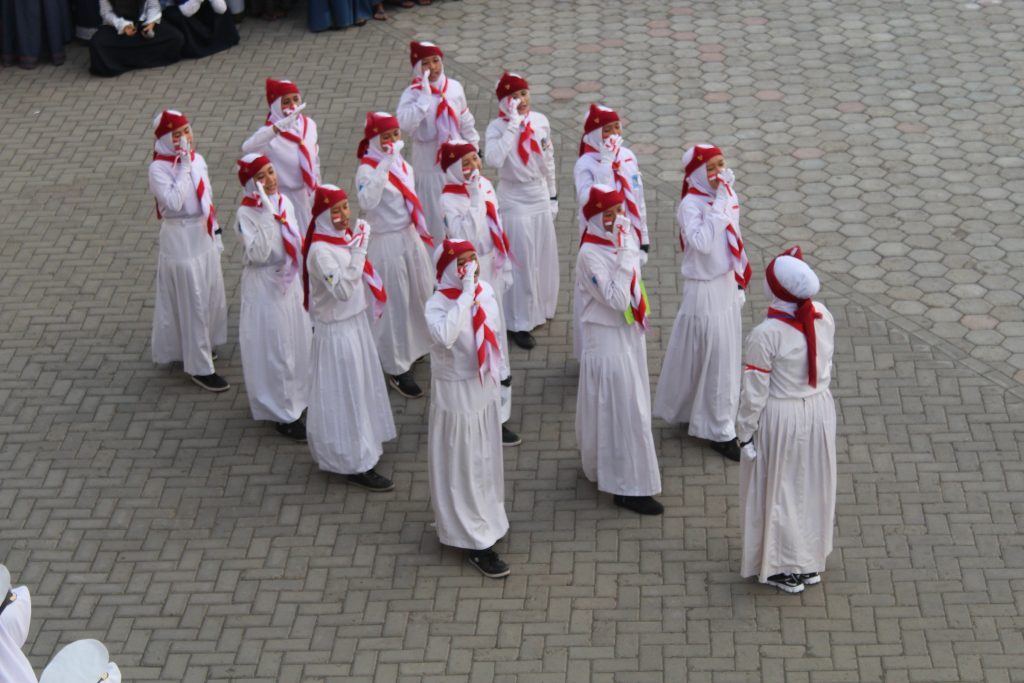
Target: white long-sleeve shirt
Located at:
point(284, 154)
point(150, 14)
point(454, 353)
point(417, 111)
point(171, 184)
point(775, 366)
point(381, 202)
point(501, 151)
point(702, 222)
point(603, 278)
point(336, 288)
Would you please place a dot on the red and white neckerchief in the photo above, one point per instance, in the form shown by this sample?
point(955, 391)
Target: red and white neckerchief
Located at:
point(740, 264)
point(202, 194)
point(401, 183)
point(488, 353)
point(623, 185)
point(636, 295)
point(446, 119)
point(527, 140)
point(371, 277)
point(305, 158)
point(803, 322)
point(291, 240)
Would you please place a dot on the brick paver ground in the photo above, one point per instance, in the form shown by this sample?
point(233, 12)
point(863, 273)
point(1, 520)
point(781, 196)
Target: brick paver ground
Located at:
point(884, 137)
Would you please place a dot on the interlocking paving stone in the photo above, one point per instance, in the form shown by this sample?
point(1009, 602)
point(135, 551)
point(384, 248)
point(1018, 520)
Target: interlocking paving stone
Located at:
point(199, 546)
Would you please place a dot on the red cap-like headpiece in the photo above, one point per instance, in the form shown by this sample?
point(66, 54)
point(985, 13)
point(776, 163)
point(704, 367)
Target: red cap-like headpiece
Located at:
point(170, 120)
point(450, 152)
point(276, 89)
point(248, 169)
point(376, 123)
point(418, 51)
point(599, 201)
point(599, 117)
point(450, 250)
point(326, 197)
point(509, 84)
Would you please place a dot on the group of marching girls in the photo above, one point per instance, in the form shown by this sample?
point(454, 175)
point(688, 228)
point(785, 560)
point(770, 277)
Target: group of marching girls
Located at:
point(458, 268)
point(83, 661)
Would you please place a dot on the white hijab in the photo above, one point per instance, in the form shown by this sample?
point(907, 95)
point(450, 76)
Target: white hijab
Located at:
point(796, 277)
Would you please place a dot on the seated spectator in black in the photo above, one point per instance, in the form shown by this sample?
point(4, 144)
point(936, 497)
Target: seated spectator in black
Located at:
point(87, 18)
point(132, 37)
point(206, 25)
point(31, 30)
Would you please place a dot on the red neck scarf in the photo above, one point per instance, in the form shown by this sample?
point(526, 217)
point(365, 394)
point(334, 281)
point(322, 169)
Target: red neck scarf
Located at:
point(488, 353)
point(803, 322)
point(446, 119)
point(412, 202)
point(623, 185)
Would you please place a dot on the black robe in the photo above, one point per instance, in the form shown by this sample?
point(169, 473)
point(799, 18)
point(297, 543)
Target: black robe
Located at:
point(31, 30)
point(205, 32)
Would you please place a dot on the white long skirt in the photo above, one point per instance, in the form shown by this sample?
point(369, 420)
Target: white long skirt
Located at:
point(302, 204)
point(526, 214)
point(429, 182)
point(190, 313)
point(788, 493)
point(349, 414)
point(467, 476)
point(700, 375)
point(613, 411)
point(401, 332)
point(275, 334)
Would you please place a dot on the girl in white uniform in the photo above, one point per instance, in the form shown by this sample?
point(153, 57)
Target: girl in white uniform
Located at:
point(433, 110)
point(190, 315)
point(787, 424)
point(387, 196)
point(613, 403)
point(470, 208)
point(467, 479)
point(274, 331)
point(700, 375)
point(289, 139)
point(349, 415)
point(519, 146)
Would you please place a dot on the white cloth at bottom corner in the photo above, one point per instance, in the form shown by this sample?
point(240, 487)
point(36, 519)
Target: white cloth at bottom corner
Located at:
point(700, 375)
point(15, 621)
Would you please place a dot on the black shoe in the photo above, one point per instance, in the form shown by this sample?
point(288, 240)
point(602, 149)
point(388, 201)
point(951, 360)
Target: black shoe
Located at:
point(785, 582)
point(293, 430)
point(214, 382)
point(812, 579)
point(406, 385)
point(509, 438)
point(489, 564)
point(523, 340)
point(730, 449)
point(371, 481)
point(644, 505)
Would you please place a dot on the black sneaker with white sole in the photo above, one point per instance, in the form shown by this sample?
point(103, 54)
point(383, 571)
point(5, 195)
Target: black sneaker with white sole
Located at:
point(489, 564)
point(785, 582)
point(812, 579)
point(371, 480)
point(406, 385)
point(509, 438)
point(212, 382)
point(293, 430)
